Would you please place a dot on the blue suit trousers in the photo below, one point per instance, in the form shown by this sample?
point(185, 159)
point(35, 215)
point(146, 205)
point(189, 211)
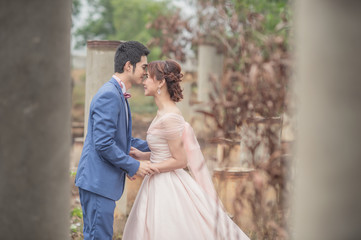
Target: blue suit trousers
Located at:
point(98, 215)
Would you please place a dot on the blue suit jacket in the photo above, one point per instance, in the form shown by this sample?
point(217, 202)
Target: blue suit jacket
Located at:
point(104, 161)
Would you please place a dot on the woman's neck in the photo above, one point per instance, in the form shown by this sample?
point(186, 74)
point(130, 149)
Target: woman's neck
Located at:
point(164, 103)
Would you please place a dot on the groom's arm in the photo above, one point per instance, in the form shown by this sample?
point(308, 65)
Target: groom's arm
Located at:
point(105, 115)
point(140, 144)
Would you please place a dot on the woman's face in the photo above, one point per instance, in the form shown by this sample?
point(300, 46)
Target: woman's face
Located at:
point(150, 86)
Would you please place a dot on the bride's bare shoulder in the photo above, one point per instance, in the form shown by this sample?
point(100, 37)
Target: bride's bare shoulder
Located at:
point(172, 111)
point(175, 110)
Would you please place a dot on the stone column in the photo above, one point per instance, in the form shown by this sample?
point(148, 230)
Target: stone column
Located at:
point(189, 70)
point(209, 62)
point(184, 105)
point(99, 70)
point(35, 99)
point(328, 154)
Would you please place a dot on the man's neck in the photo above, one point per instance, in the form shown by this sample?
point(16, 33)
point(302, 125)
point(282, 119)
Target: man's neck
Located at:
point(124, 78)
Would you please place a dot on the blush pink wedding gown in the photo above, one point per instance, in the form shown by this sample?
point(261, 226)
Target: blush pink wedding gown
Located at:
point(174, 205)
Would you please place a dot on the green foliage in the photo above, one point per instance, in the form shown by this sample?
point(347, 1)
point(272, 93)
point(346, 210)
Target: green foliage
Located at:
point(74, 228)
point(77, 212)
point(76, 223)
point(99, 23)
point(75, 10)
point(122, 20)
point(76, 7)
point(72, 173)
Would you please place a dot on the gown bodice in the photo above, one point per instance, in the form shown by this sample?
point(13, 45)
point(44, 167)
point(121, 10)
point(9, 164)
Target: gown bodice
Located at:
point(159, 148)
point(163, 128)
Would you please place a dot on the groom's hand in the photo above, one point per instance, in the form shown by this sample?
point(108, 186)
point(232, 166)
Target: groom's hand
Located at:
point(146, 168)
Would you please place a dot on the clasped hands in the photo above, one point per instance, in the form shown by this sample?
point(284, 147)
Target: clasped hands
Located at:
point(145, 167)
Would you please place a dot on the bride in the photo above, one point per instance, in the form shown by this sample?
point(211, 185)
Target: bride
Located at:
point(172, 204)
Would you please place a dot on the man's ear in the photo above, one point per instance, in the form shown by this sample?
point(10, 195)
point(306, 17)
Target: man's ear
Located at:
point(128, 67)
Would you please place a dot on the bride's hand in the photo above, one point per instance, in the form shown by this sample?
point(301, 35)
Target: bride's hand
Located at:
point(135, 153)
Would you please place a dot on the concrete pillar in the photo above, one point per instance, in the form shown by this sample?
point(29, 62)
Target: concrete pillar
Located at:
point(99, 70)
point(228, 184)
point(327, 194)
point(35, 99)
point(209, 62)
point(189, 70)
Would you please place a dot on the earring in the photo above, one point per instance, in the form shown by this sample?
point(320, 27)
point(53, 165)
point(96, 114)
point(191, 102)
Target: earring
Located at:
point(158, 91)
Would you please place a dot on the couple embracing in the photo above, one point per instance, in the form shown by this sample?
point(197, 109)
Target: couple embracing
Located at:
point(171, 204)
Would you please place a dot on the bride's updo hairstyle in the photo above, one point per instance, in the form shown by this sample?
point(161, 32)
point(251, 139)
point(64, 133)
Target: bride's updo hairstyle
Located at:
point(170, 71)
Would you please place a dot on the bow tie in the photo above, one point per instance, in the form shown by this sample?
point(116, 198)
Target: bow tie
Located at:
point(127, 95)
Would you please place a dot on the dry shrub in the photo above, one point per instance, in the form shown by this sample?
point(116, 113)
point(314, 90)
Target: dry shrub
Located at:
point(249, 102)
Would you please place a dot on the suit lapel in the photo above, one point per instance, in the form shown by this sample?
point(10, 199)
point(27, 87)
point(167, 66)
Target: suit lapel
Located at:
point(116, 84)
point(125, 103)
point(129, 120)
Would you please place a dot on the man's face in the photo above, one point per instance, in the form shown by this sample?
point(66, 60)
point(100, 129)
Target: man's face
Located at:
point(140, 70)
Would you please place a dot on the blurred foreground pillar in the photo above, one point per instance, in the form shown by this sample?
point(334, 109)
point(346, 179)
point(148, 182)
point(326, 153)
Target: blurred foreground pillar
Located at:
point(99, 70)
point(35, 141)
point(328, 154)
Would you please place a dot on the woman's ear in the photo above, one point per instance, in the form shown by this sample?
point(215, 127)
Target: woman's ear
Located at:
point(161, 83)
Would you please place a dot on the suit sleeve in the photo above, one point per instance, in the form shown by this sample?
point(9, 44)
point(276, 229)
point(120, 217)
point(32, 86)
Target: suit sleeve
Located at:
point(105, 116)
point(140, 144)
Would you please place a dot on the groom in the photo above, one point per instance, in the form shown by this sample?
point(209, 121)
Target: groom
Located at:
point(105, 159)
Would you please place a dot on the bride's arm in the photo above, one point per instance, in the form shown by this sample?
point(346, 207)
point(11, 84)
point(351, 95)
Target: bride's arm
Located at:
point(178, 160)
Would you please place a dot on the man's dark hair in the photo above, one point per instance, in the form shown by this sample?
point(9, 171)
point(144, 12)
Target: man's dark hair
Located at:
point(129, 51)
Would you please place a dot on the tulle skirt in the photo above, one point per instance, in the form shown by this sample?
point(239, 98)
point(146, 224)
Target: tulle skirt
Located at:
point(171, 206)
